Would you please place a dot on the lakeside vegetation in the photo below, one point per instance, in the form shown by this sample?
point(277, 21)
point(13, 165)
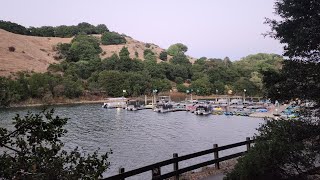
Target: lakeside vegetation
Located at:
point(82, 71)
point(283, 150)
point(290, 149)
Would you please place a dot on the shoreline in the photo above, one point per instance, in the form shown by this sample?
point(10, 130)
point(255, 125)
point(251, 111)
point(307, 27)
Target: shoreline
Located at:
point(22, 105)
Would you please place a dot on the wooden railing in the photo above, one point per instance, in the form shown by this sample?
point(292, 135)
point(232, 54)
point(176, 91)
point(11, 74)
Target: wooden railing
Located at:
point(156, 167)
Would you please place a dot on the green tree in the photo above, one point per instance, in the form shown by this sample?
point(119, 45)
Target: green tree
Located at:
point(5, 93)
point(65, 31)
point(181, 88)
point(283, 150)
point(244, 83)
point(110, 63)
point(289, 149)
point(124, 53)
point(101, 28)
point(63, 49)
point(298, 28)
point(72, 88)
point(177, 49)
point(150, 57)
point(298, 31)
point(201, 61)
point(112, 38)
point(161, 85)
point(179, 80)
point(112, 82)
point(202, 86)
point(44, 31)
point(180, 59)
point(82, 51)
point(86, 28)
point(35, 151)
point(163, 56)
point(14, 27)
point(155, 70)
point(256, 79)
point(84, 47)
point(136, 83)
point(147, 51)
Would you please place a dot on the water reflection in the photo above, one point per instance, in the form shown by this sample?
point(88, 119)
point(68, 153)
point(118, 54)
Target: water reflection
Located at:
point(144, 137)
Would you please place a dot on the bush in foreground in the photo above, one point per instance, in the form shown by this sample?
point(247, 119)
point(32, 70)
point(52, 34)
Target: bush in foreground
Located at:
point(283, 150)
point(33, 150)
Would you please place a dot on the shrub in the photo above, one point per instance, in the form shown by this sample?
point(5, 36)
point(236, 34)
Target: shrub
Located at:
point(176, 49)
point(163, 56)
point(179, 80)
point(181, 88)
point(282, 150)
point(12, 49)
point(14, 27)
point(112, 38)
point(37, 152)
point(147, 51)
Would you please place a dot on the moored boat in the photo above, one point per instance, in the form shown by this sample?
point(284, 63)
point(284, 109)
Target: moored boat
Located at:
point(163, 108)
point(203, 109)
point(134, 105)
point(120, 102)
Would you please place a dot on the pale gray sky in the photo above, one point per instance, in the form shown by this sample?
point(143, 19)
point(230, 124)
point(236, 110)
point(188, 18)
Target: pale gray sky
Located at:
point(211, 28)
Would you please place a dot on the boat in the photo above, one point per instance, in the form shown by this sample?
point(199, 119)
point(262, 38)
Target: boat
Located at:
point(179, 107)
point(191, 106)
point(240, 112)
point(228, 113)
point(134, 105)
point(164, 105)
point(163, 108)
point(203, 109)
point(217, 110)
point(119, 102)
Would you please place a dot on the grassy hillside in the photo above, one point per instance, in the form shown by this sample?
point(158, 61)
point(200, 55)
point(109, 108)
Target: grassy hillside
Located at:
point(31, 53)
point(34, 53)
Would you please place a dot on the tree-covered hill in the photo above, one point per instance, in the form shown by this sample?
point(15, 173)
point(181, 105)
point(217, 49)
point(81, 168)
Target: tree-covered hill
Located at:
point(108, 63)
point(25, 49)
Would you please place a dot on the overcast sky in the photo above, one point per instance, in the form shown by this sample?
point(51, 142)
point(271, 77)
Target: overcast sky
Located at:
point(211, 28)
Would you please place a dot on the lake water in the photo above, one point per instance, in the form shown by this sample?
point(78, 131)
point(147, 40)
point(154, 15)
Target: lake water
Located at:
point(144, 137)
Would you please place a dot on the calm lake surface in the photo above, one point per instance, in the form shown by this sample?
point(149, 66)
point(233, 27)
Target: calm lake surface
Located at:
point(144, 137)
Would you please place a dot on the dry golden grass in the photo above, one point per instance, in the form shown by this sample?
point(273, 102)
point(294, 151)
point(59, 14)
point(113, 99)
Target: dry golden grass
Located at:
point(31, 53)
point(37, 53)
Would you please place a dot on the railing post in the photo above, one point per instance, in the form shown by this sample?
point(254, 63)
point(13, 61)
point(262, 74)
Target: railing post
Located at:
point(156, 172)
point(248, 143)
point(176, 166)
point(121, 171)
point(216, 156)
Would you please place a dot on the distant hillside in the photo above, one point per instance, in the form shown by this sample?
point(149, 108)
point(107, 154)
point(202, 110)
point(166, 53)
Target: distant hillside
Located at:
point(31, 53)
point(34, 53)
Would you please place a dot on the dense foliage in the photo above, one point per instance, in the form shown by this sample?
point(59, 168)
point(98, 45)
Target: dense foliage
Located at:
point(33, 150)
point(176, 49)
point(112, 38)
point(289, 149)
point(14, 27)
point(163, 56)
point(81, 70)
point(50, 31)
point(299, 30)
point(283, 150)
